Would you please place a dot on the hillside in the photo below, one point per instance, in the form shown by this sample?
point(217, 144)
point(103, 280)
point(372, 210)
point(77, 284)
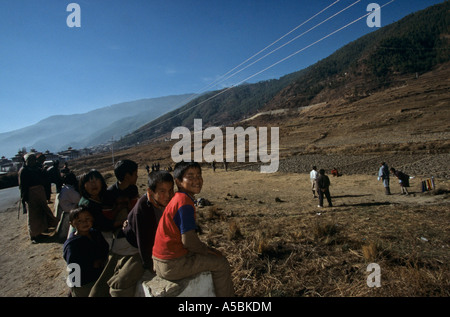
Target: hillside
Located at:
point(377, 61)
point(215, 108)
point(406, 125)
point(95, 127)
point(380, 60)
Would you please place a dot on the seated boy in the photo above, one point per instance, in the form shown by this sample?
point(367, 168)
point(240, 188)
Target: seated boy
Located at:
point(143, 220)
point(87, 248)
point(178, 252)
point(132, 249)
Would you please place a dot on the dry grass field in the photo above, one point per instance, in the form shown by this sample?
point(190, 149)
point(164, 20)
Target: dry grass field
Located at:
point(281, 244)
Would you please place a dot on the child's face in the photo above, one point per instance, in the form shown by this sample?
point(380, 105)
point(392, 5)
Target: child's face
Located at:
point(192, 181)
point(83, 223)
point(163, 193)
point(93, 186)
point(132, 178)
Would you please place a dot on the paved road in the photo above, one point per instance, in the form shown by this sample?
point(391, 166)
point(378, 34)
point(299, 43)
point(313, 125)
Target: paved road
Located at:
point(9, 198)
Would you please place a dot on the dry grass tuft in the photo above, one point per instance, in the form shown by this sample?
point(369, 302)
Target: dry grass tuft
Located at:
point(322, 230)
point(370, 251)
point(234, 232)
point(213, 213)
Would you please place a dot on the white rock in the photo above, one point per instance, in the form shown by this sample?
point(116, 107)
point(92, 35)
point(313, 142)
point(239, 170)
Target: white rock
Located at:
point(200, 285)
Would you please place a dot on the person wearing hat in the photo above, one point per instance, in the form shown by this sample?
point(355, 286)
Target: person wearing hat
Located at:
point(39, 216)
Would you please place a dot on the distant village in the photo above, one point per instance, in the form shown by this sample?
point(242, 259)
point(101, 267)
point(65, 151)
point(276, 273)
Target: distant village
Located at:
point(15, 163)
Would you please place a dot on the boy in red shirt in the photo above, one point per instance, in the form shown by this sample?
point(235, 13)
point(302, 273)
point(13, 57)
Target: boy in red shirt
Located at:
point(178, 252)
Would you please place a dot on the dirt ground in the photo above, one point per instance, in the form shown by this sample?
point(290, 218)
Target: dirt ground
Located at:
point(279, 210)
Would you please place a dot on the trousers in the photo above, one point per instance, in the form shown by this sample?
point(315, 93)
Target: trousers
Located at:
point(325, 192)
point(194, 263)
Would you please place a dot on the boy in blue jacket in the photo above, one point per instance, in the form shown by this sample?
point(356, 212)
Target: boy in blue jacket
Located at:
point(87, 248)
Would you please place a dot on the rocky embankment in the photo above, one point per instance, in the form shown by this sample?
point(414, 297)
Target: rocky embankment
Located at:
point(423, 165)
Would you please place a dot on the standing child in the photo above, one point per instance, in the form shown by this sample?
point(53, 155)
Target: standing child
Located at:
point(66, 200)
point(124, 193)
point(323, 188)
point(178, 252)
point(87, 248)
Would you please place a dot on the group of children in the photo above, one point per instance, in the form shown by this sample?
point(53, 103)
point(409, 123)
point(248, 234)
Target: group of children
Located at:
point(117, 235)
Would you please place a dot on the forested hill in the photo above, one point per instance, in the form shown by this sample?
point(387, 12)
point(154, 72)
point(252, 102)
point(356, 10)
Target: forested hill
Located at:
point(374, 62)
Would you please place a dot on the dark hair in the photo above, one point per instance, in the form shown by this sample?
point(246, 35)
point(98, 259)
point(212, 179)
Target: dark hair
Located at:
point(322, 171)
point(93, 173)
point(70, 179)
point(181, 167)
point(75, 213)
point(157, 177)
point(124, 167)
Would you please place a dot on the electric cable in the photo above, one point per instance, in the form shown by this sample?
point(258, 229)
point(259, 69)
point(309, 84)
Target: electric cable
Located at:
point(274, 64)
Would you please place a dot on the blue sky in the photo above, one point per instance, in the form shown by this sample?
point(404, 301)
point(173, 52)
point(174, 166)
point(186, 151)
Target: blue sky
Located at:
point(129, 50)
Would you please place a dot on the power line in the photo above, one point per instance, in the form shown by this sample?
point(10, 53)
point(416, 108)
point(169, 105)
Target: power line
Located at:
point(221, 78)
point(274, 64)
point(314, 43)
point(295, 38)
point(273, 43)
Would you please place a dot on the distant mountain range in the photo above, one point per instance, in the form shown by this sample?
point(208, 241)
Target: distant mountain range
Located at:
point(57, 133)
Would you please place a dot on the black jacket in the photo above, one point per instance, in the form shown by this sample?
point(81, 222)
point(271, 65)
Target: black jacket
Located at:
point(322, 181)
